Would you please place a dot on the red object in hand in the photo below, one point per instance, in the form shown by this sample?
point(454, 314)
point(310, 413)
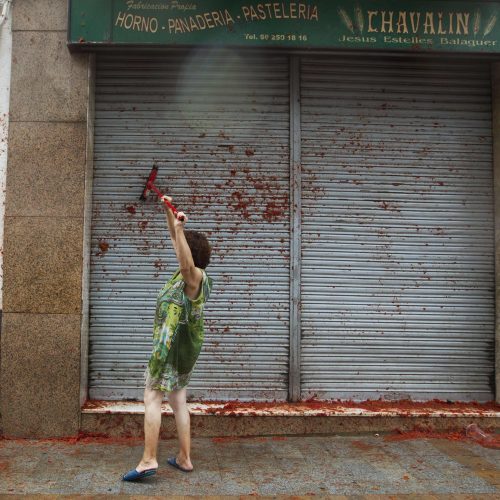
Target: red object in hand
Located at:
point(150, 186)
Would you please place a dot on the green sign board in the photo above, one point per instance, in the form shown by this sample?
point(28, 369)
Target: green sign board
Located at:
point(440, 25)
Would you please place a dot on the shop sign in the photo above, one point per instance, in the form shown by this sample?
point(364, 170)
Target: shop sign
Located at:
point(446, 25)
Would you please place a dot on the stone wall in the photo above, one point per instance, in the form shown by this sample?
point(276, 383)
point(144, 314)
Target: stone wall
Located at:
point(5, 63)
point(44, 215)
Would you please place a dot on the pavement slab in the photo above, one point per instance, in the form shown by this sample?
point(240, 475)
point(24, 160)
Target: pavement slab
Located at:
point(361, 466)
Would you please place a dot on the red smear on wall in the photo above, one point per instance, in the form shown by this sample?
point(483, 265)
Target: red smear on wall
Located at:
point(103, 247)
point(131, 209)
point(240, 204)
point(274, 210)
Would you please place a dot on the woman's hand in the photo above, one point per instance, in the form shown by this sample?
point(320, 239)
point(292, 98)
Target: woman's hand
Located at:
point(168, 198)
point(180, 220)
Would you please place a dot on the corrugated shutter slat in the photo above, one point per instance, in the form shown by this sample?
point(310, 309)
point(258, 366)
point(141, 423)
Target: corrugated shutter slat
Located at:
point(217, 125)
point(397, 270)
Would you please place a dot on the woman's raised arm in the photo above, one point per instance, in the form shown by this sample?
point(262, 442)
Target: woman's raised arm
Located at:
point(190, 273)
point(170, 219)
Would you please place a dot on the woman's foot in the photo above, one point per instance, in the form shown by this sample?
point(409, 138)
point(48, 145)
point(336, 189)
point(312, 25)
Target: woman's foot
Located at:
point(133, 475)
point(181, 463)
point(146, 464)
point(150, 466)
point(184, 462)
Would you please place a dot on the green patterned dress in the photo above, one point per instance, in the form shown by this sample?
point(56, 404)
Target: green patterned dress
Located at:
point(178, 334)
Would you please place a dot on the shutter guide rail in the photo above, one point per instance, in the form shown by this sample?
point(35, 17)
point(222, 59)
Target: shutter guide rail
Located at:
point(295, 229)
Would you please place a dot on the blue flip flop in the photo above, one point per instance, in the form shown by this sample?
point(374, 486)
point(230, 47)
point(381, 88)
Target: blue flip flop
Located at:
point(173, 462)
point(134, 475)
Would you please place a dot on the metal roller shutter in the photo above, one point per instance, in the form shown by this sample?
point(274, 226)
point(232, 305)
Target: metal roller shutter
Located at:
point(217, 125)
point(397, 248)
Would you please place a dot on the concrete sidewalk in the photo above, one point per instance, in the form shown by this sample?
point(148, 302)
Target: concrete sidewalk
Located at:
point(344, 465)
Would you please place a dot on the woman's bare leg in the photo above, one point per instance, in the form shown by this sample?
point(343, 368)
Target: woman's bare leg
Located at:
point(152, 422)
point(177, 400)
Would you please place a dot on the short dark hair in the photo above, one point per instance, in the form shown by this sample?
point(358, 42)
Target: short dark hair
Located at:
point(200, 248)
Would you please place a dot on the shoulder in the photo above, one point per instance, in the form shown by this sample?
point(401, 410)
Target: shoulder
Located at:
point(192, 276)
point(193, 279)
point(203, 290)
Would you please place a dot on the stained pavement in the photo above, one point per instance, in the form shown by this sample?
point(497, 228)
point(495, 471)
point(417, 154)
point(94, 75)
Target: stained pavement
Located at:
point(347, 466)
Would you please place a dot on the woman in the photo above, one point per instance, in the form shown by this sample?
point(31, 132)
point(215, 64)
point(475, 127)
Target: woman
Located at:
point(177, 340)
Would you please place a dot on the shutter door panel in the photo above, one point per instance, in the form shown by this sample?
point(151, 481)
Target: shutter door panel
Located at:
point(217, 125)
point(397, 236)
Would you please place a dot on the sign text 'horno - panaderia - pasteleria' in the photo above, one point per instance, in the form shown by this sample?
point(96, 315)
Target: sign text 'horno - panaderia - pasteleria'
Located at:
point(364, 24)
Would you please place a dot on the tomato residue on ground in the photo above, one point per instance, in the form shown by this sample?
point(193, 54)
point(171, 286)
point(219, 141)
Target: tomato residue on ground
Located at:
point(81, 437)
point(225, 439)
point(404, 406)
point(418, 432)
point(401, 435)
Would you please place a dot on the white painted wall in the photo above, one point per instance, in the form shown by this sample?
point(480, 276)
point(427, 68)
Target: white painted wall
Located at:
point(5, 66)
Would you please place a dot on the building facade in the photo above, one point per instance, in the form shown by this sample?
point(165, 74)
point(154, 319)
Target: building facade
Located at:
point(348, 186)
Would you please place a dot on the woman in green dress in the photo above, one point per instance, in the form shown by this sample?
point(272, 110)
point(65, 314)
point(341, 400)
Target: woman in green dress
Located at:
point(177, 340)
